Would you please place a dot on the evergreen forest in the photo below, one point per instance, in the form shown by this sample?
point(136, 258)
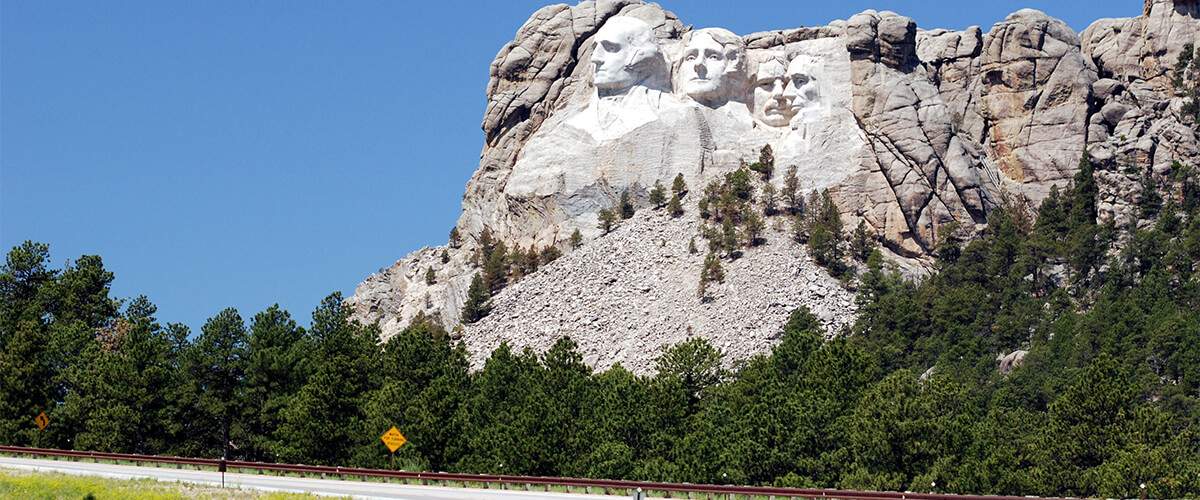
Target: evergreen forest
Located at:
point(1107, 397)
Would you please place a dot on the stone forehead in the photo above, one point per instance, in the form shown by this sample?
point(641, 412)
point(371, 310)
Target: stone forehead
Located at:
point(804, 63)
point(629, 29)
point(720, 35)
point(770, 64)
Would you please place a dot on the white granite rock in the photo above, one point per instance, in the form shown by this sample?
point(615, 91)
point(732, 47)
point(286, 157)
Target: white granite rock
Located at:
point(910, 130)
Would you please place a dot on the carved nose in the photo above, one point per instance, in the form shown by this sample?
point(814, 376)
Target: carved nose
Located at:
point(700, 68)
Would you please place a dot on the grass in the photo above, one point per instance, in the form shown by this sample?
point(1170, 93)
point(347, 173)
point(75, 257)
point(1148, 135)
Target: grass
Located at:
point(53, 485)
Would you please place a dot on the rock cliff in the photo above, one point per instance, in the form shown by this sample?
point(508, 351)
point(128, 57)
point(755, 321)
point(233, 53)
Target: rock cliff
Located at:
point(910, 130)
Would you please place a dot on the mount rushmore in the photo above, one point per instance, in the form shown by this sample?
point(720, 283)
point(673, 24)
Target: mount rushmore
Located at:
point(910, 131)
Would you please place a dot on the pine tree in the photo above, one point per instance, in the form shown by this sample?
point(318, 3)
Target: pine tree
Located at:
point(753, 226)
point(607, 220)
point(738, 183)
point(533, 259)
point(696, 365)
point(478, 300)
point(799, 228)
point(862, 242)
point(710, 271)
point(692, 246)
point(455, 238)
point(576, 239)
point(729, 239)
point(550, 254)
point(768, 198)
point(275, 371)
point(216, 365)
point(658, 195)
point(791, 193)
point(445, 256)
point(495, 269)
point(324, 422)
point(626, 205)
point(430, 276)
point(1149, 201)
point(765, 165)
point(825, 235)
point(674, 207)
point(678, 186)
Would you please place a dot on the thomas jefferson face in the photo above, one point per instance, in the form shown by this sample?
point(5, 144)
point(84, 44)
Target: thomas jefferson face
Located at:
point(772, 102)
point(623, 46)
point(709, 68)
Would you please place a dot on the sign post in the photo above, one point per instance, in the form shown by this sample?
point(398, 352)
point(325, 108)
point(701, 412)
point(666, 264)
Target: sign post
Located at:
point(393, 439)
point(42, 421)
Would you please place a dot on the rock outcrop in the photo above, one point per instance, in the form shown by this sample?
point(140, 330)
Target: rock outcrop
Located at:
point(1138, 128)
point(911, 130)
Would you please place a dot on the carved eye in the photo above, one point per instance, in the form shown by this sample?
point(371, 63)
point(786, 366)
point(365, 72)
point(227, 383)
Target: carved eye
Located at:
point(610, 46)
point(799, 79)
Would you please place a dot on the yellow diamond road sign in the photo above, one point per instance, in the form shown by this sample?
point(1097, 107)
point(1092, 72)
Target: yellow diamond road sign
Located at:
point(42, 421)
point(393, 439)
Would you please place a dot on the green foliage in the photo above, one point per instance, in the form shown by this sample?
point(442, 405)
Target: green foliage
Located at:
point(674, 207)
point(765, 165)
point(862, 242)
point(791, 194)
point(658, 195)
point(496, 263)
point(678, 186)
point(1107, 396)
point(608, 219)
point(478, 303)
point(430, 276)
point(275, 369)
point(325, 421)
point(576, 239)
point(825, 238)
point(625, 203)
point(695, 365)
point(769, 200)
point(738, 184)
point(710, 271)
point(455, 238)
point(549, 253)
point(753, 228)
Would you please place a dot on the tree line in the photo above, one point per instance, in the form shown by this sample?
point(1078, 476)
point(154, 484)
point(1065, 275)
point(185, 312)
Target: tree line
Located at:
point(1107, 398)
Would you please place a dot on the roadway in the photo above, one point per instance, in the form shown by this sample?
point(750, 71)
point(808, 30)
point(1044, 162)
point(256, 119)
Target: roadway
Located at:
point(331, 487)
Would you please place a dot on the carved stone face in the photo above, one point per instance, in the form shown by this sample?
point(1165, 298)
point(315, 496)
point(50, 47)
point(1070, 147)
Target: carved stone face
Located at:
point(802, 82)
point(772, 102)
point(622, 51)
point(709, 70)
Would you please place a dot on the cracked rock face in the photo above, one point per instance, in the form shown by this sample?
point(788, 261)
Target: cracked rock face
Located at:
point(910, 129)
point(1137, 129)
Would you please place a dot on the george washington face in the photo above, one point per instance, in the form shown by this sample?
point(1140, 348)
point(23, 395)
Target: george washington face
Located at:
point(622, 54)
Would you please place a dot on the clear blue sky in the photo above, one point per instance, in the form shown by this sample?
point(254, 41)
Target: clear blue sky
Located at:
point(233, 153)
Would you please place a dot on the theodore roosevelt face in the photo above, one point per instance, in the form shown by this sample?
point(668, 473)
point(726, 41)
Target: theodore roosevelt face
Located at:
point(712, 60)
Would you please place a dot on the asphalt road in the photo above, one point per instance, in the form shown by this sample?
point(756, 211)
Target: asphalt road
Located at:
point(356, 489)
